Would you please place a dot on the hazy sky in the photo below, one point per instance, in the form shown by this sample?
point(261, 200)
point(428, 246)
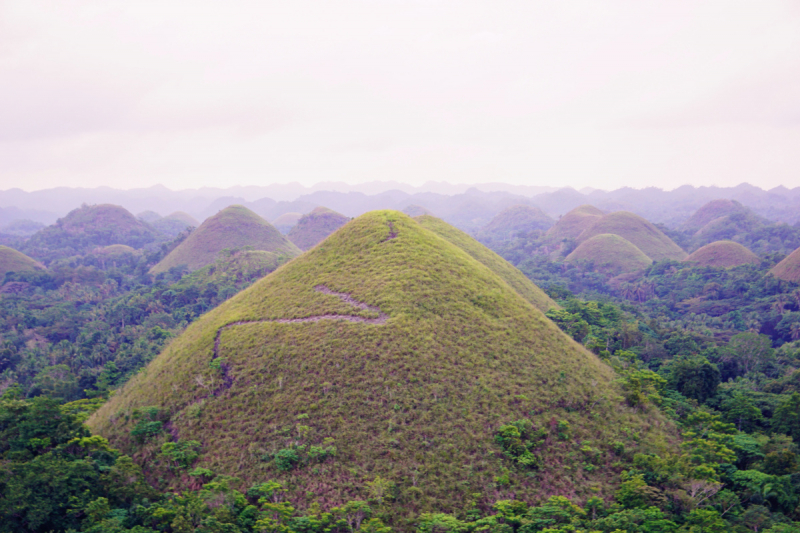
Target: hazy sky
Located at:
point(601, 94)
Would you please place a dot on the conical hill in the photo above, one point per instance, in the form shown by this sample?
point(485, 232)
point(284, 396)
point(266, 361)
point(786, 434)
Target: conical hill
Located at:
point(511, 275)
point(384, 355)
point(611, 253)
point(312, 228)
point(724, 254)
point(514, 220)
point(286, 222)
point(641, 233)
point(12, 260)
point(233, 227)
point(789, 268)
point(711, 211)
point(572, 224)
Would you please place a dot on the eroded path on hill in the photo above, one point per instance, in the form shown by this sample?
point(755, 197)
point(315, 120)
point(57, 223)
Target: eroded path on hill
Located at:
point(343, 296)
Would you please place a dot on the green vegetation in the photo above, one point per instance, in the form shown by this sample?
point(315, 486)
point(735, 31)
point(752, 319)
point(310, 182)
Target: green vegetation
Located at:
point(86, 228)
point(494, 262)
point(571, 225)
point(610, 253)
point(723, 254)
point(414, 400)
point(172, 225)
point(233, 227)
point(638, 232)
point(514, 220)
point(314, 227)
point(14, 261)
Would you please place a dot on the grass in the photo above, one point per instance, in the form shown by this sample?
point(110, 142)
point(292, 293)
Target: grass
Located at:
point(610, 253)
point(711, 211)
point(235, 266)
point(286, 222)
point(571, 225)
point(13, 261)
point(186, 218)
point(514, 220)
point(414, 210)
point(233, 227)
point(312, 228)
point(516, 279)
point(641, 233)
point(789, 268)
point(723, 254)
point(414, 401)
point(115, 249)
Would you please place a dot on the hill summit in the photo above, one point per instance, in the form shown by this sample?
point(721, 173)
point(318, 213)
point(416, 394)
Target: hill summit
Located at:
point(711, 211)
point(233, 227)
point(384, 359)
point(571, 225)
point(789, 268)
point(312, 228)
point(611, 253)
point(12, 260)
point(514, 220)
point(723, 254)
point(638, 231)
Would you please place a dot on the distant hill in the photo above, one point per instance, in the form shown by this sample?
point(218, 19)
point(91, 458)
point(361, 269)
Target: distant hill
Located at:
point(312, 228)
point(88, 227)
point(235, 266)
point(233, 227)
point(22, 228)
point(514, 220)
point(641, 233)
point(712, 211)
point(114, 249)
point(610, 253)
point(172, 225)
point(789, 268)
point(572, 224)
point(286, 222)
point(508, 272)
point(14, 261)
point(723, 254)
point(148, 216)
point(386, 356)
point(414, 210)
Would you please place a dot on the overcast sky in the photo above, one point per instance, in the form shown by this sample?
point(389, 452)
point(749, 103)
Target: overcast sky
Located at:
point(600, 94)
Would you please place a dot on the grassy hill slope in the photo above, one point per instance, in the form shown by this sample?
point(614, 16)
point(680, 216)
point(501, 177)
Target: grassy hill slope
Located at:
point(514, 220)
point(12, 260)
point(789, 268)
point(571, 225)
point(286, 222)
point(435, 354)
point(723, 254)
point(233, 227)
point(312, 228)
point(610, 252)
point(508, 272)
point(641, 233)
point(711, 211)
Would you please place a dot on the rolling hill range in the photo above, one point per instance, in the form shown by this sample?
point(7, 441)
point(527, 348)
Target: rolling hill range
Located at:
point(514, 220)
point(88, 227)
point(312, 228)
point(724, 254)
point(638, 231)
point(610, 253)
point(13, 261)
point(233, 227)
point(572, 224)
point(488, 258)
point(385, 356)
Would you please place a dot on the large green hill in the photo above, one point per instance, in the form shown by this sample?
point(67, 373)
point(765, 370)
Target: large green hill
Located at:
point(641, 233)
point(312, 228)
point(572, 224)
point(514, 220)
point(233, 227)
point(611, 253)
point(789, 268)
point(12, 260)
point(516, 279)
point(88, 227)
point(724, 254)
point(712, 211)
point(386, 357)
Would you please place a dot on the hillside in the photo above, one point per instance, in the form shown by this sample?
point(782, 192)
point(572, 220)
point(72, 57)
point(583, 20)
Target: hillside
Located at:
point(638, 232)
point(416, 210)
point(789, 268)
point(712, 211)
point(286, 222)
point(13, 261)
point(88, 227)
point(610, 253)
point(514, 220)
point(233, 227)
point(723, 254)
point(173, 224)
point(312, 228)
point(384, 356)
point(570, 225)
point(488, 258)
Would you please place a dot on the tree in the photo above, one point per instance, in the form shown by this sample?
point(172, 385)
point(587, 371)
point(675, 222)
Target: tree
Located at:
point(694, 377)
point(787, 417)
point(749, 351)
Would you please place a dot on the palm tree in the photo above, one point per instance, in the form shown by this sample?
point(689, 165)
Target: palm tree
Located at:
point(795, 330)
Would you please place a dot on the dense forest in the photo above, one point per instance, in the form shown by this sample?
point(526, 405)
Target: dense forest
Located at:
point(716, 350)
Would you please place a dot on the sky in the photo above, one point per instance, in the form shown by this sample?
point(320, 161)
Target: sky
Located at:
point(599, 94)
